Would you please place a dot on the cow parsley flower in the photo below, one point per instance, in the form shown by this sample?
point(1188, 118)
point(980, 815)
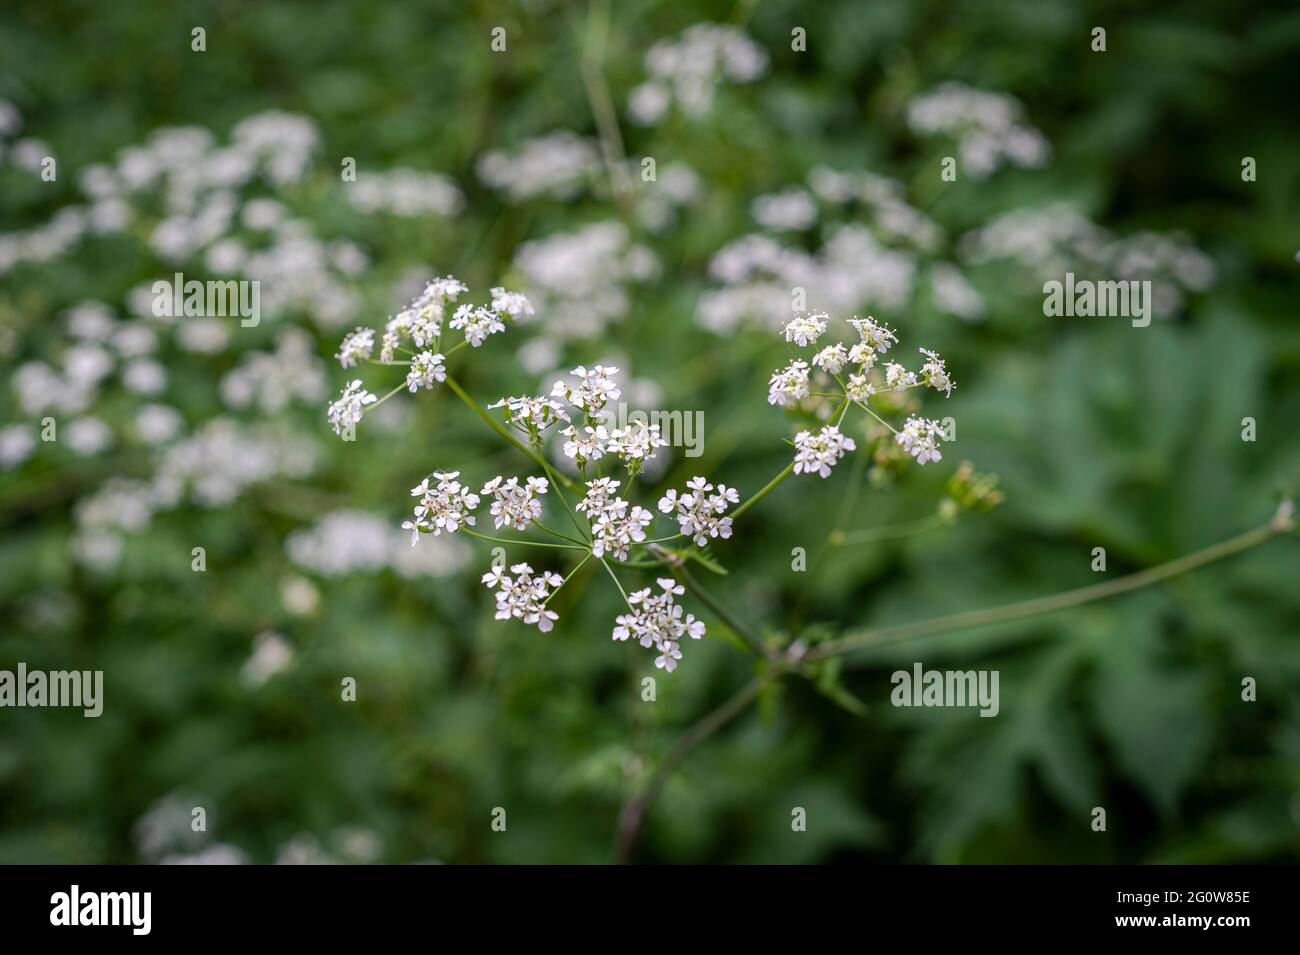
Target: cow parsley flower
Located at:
point(601, 493)
point(445, 507)
point(831, 359)
point(530, 415)
point(587, 447)
point(617, 527)
point(636, 443)
point(818, 453)
point(513, 304)
point(935, 374)
point(874, 334)
point(789, 384)
point(804, 330)
point(859, 389)
point(654, 620)
point(478, 323)
point(596, 387)
point(356, 347)
point(897, 377)
point(524, 595)
point(515, 505)
point(698, 512)
point(344, 413)
point(426, 368)
point(864, 355)
point(920, 438)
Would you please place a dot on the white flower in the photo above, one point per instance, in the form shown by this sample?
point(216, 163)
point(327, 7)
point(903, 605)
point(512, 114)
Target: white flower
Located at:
point(510, 303)
point(859, 389)
point(532, 416)
point(874, 334)
point(347, 410)
point(636, 443)
point(585, 448)
point(426, 368)
point(934, 374)
point(898, 377)
point(831, 359)
point(654, 620)
point(445, 507)
point(789, 384)
point(515, 505)
point(617, 528)
point(698, 512)
point(600, 493)
point(804, 330)
point(920, 438)
point(524, 595)
point(669, 654)
point(478, 323)
point(356, 347)
point(863, 354)
point(818, 453)
point(596, 388)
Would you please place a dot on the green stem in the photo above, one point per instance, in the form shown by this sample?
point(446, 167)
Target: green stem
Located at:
point(371, 407)
point(751, 639)
point(1061, 601)
point(585, 545)
point(522, 542)
point(889, 531)
point(567, 578)
point(474, 406)
point(789, 468)
point(614, 578)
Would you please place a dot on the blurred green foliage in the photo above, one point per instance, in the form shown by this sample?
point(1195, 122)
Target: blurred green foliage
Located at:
point(1101, 435)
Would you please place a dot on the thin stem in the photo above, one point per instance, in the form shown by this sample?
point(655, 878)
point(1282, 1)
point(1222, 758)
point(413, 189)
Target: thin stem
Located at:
point(617, 584)
point(889, 531)
point(602, 108)
point(752, 640)
point(521, 541)
point(763, 493)
point(376, 361)
point(371, 407)
point(1061, 601)
point(567, 578)
point(863, 406)
point(585, 545)
point(474, 406)
point(634, 810)
point(559, 492)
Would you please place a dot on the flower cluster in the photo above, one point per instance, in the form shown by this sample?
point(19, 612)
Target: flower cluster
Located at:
point(595, 389)
point(920, 438)
point(656, 621)
point(514, 504)
point(816, 452)
point(426, 368)
point(444, 507)
point(617, 526)
point(344, 413)
point(532, 416)
point(524, 595)
point(699, 513)
point(417, 331)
